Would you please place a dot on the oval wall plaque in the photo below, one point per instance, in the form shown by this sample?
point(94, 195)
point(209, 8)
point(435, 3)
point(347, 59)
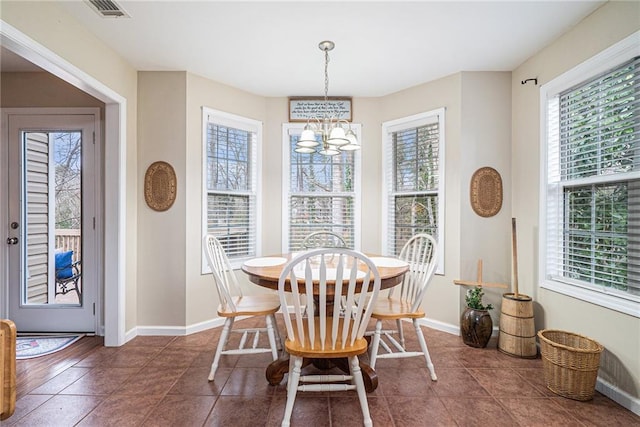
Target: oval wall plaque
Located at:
point(160, 186)
point(486, 192)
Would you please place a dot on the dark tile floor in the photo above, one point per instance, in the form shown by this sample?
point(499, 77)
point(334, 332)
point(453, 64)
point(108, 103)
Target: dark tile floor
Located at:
point(162, 381)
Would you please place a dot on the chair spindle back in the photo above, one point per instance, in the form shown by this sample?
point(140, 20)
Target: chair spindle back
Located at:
point(323, 239)
point(223, 274)
point(421, 255)
point(328, 273)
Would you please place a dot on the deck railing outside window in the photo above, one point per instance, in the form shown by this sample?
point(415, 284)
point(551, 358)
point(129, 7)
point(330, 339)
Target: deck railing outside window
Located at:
point(69, 240)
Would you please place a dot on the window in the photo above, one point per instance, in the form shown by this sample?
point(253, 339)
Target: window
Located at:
point(413, 165)
point(320, 192)
point(590, 210)
point(230, 183)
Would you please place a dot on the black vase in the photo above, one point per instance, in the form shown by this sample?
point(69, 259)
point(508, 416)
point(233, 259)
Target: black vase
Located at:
point(476, 327)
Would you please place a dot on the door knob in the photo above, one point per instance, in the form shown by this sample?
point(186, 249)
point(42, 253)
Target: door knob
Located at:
point(12, 241)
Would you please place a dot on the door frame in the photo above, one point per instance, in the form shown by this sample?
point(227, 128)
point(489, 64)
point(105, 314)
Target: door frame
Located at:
point(114, 196)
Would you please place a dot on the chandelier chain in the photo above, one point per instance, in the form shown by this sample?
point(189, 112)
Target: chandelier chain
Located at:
point(326, 81)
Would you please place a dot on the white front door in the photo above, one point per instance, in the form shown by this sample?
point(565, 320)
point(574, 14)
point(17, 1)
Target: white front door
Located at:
point(52, 241)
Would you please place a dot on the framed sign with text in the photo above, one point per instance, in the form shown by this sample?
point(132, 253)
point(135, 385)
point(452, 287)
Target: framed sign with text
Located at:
point(303, 108)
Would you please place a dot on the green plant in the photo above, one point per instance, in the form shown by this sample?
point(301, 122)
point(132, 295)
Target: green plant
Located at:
point(474, 299)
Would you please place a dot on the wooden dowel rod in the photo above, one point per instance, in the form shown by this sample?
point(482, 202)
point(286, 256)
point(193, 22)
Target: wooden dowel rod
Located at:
point(515, 256)
point(483, 284)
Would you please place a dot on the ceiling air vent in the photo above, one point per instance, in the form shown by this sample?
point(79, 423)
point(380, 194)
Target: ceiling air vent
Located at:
point(108, 8)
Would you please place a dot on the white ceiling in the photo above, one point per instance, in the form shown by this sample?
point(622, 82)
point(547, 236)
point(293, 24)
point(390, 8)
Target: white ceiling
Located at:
point(270, 48)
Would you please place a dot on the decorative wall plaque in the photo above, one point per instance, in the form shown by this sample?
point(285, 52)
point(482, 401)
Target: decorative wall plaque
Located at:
point(303, 108)
point(160, 186)
point(486, 192)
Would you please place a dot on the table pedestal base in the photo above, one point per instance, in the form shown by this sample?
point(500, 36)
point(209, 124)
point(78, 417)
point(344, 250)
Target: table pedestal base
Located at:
point(277, 369)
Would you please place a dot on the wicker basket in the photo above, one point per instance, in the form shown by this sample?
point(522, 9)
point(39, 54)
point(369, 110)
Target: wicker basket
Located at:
point(570, 362)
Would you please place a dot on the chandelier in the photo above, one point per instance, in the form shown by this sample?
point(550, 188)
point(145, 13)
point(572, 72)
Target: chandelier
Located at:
point(336, 134)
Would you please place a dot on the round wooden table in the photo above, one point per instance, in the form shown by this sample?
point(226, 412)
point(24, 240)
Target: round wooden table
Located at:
point(267, 274)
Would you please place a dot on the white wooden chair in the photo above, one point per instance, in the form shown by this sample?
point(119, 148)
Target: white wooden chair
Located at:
point(421, 255)
point(322, 329)
point(233, 304)
point(323, 239)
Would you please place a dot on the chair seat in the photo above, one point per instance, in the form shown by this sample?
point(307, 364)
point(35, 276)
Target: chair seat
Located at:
point(254, 305)
point(305, 350)
point(390, 309)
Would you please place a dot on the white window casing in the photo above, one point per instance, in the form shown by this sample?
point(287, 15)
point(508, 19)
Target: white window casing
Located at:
point(413, 181)
point(230, 188)
point(589, 231)
point(319, 192)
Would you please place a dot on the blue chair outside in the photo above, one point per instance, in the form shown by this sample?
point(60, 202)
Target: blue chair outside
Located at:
point(67, 274)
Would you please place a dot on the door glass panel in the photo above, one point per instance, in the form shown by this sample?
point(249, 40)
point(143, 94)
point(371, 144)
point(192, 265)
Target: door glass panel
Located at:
point(53, 218)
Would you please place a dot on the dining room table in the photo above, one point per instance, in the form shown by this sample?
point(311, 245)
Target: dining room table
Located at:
point(265, 271)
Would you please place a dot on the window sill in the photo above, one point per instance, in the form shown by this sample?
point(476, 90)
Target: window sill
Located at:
point(611, 302)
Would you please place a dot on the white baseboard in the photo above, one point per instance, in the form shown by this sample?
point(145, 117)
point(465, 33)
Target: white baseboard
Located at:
point(174, 330)
point(621, 397)
point(130, 334)
point(440, 326)
point(203, 326)
point(449, 328)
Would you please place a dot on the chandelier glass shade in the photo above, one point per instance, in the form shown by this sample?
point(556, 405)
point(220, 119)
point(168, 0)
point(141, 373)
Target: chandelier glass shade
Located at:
point(335, 135)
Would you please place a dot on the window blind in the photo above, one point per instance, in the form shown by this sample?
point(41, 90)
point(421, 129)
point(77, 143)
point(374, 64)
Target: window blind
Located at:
point(231, 178)
point(415, 154)
point(321, 193)
point(413, 151)
point(599, 124)
point(593, 183)
point(229, 219)
point(312, 212)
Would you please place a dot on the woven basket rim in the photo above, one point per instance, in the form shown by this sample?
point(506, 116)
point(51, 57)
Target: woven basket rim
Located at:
point(599, 347)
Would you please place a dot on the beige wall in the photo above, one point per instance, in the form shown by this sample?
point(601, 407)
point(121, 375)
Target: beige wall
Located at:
point(442, 300)
point(619, 333)
point(367, 112)
point(477, 133)
point(41, 89)
point(162, 135)
point(485, 141)
point(202, 298)
point(172, 291)
point(276, 114)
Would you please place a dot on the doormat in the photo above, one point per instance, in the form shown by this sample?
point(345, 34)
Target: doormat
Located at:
point(28, 347)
